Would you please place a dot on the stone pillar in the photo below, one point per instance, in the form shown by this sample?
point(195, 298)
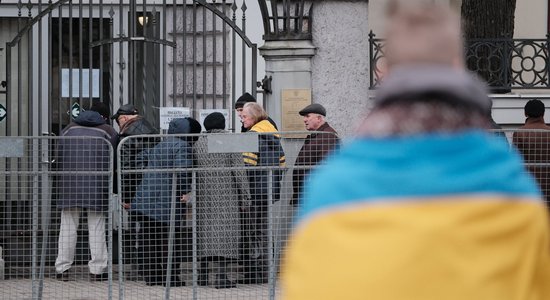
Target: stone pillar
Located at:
point(288, 63)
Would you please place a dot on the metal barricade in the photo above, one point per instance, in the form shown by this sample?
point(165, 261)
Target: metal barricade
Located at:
point(533, 146)
point(209, 214)
point(49, 185)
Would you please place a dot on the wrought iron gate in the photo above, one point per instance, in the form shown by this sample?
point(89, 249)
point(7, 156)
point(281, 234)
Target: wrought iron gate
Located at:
point(59, 57)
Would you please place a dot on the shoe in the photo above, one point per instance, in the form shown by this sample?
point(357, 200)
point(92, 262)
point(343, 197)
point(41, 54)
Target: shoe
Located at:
point(222, 282)
point(99, 277)
point(62, 276)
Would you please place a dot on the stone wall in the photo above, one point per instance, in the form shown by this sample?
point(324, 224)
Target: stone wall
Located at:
point(340, 77)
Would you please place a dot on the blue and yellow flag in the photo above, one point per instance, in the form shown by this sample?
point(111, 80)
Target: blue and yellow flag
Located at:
point(432, 216)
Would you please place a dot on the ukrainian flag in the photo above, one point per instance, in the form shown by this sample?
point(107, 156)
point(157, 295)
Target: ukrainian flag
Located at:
point(431, 217)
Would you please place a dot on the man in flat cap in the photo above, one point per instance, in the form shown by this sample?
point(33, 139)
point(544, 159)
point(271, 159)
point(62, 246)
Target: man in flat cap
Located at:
point(316, 145)
point(130, 123)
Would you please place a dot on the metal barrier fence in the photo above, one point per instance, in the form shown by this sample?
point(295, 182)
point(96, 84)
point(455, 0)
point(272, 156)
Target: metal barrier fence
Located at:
point(44, 180)
point(193, 217)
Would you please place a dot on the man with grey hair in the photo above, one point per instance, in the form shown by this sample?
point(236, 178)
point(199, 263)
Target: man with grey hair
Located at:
point(316, 145)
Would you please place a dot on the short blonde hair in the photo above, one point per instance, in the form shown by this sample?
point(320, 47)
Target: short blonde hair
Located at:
point(420, 32)
point(256, 111)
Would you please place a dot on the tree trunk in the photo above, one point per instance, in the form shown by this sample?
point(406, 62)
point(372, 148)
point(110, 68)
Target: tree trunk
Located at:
point(489, 19)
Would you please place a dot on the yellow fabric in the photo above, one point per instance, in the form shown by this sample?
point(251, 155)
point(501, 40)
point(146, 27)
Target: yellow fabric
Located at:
point(486, 249)
point(264, 126)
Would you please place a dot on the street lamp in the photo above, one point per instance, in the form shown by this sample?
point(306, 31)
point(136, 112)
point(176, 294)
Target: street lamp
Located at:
point(286, 19)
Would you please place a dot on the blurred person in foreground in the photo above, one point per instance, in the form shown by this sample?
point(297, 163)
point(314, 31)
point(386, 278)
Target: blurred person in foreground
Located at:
point(254, 243)
point(222, 192)
point(425, 204)
point(533, 142)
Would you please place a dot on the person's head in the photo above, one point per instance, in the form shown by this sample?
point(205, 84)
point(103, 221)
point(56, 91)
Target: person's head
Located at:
point(213, 121)
point(124, 114)
point(179, 126)
point(422, 33)
point(534, 108)
point(239, 104)
point(102, 109)
point(314, 116)
point(252, 113)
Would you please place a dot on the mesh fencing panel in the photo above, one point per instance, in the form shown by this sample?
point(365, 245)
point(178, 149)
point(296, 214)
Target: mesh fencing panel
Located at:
point(188, 217)
point(55, 231)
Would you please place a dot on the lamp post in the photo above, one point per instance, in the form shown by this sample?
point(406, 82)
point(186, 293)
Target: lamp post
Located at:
point(288, 51)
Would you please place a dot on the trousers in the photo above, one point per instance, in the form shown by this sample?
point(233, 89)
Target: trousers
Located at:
point(70, 218)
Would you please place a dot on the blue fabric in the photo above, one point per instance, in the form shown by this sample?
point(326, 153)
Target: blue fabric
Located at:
point(154, 195)
point(89, 118)
point(421, 165)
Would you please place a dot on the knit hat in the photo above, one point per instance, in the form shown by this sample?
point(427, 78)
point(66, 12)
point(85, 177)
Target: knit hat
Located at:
point(456, 86)
point(245, 98)
point(215, 120)
point(195, 125)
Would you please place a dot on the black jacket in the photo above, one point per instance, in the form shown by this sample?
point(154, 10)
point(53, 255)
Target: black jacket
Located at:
point(130, 150)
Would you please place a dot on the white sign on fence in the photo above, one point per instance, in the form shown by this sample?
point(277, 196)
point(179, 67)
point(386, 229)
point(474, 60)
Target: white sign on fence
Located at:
point(169, 113)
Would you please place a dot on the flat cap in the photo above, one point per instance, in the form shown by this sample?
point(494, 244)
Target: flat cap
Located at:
point(126, 109)
point(315, 108)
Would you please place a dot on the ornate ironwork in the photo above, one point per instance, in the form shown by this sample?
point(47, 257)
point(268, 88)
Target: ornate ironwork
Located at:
point(286, 19)
point(505, 63)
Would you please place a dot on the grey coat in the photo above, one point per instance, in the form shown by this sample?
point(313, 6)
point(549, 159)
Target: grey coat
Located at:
point(78, 154)
point(220, 194)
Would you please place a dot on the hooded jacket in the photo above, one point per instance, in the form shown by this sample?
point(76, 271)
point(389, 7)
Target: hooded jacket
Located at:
point(159, 191)
point(78, 154)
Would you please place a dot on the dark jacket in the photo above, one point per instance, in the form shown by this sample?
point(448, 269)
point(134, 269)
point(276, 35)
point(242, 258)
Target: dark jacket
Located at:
point(270, 154)
point(158, 190)
point(79, 153)
point(130, 150)
point(316, 146)
point(535, 149)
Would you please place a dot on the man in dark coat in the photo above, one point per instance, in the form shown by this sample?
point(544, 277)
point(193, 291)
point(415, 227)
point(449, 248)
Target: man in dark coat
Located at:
point(84, 151)
point(316, 145)
point(132, 124)
point(534, 144)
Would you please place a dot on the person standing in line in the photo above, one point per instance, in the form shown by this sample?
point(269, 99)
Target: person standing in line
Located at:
point(425, 203)
point(158, 195)
point(222, 194)
point(130, 123)
point(254, 251)
point(316, 146)
point(534, 144)
point(239, 104)
point(79, 192)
